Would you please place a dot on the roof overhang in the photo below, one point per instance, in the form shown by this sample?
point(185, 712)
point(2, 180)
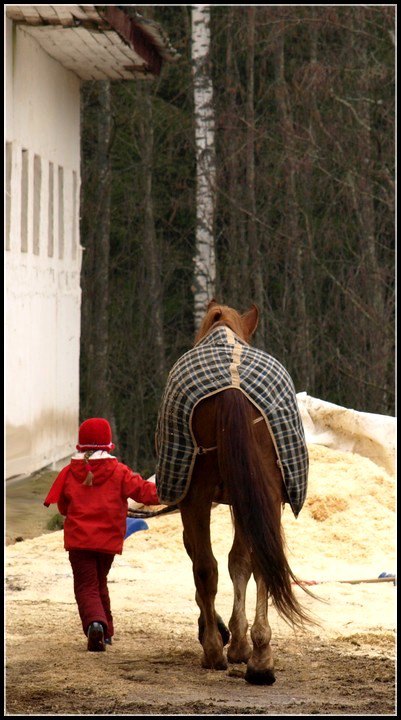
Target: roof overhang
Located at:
point(97, 42)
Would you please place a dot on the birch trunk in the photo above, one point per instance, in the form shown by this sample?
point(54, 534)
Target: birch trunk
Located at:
point(205, 264)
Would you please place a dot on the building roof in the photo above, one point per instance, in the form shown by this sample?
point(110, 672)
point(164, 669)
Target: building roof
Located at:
point(97, 42)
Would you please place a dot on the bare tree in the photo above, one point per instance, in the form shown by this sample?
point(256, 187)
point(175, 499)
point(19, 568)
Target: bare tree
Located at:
point(151, 251)
point(256, 276)
point(205, 263)
point(235, 248)
point(95, 278)
point(301, 344)
point(378, 341)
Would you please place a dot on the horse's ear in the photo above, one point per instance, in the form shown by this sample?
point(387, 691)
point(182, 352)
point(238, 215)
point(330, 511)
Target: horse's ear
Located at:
point(216, 315)
point(250, 321)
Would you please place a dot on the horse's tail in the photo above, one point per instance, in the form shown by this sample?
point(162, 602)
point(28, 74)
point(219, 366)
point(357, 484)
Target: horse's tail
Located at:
point(256, 512)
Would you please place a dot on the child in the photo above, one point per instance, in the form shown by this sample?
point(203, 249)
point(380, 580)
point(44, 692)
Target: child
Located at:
point(92, 493)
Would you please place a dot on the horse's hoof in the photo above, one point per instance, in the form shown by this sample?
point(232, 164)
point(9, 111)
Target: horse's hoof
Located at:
point(257, 677)
point(239, 655)
point(214, 665)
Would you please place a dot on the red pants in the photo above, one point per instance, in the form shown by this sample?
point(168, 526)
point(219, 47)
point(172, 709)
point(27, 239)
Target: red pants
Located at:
point(90, 570)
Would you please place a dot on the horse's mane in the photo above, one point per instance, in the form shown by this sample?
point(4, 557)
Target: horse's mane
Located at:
point(221, 315)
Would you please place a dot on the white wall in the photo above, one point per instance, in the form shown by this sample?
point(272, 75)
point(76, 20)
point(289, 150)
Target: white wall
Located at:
point(43, 294)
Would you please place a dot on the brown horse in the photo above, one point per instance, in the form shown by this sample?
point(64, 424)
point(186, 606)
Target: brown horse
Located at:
point(238, 467)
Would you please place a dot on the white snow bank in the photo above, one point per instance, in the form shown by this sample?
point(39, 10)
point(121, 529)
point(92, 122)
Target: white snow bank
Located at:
point(339, 428)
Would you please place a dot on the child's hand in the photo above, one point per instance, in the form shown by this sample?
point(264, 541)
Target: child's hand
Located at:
point(133, 505)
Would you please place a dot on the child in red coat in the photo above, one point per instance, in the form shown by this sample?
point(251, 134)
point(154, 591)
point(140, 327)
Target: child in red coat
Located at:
point(92, 493)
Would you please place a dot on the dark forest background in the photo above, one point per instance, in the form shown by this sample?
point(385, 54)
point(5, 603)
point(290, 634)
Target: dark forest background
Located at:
point(304, 102)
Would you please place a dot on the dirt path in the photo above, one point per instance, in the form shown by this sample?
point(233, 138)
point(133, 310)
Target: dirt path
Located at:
point(346, 667)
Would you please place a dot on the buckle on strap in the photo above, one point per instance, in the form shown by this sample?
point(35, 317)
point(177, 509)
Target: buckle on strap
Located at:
point(202, 451)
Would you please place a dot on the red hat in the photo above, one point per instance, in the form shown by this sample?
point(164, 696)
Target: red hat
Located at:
point(95, 434)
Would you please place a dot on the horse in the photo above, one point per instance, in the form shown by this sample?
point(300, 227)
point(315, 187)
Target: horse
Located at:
point(238, 465)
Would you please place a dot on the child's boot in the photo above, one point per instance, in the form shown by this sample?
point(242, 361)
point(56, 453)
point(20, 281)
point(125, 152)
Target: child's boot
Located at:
point(96, 637)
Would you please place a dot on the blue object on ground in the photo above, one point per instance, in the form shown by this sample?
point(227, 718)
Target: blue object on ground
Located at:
point(384, 575)
point(133, 525)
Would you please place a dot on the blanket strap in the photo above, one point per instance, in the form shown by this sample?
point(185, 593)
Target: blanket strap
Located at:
point(202, 451)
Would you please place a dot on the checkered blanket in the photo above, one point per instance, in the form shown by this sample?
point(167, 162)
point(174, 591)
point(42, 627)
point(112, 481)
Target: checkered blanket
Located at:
point(222, 360)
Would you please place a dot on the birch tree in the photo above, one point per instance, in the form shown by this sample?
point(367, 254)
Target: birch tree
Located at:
point(205, 264)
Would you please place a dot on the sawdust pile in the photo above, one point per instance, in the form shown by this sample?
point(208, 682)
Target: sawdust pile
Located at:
point(346, 527)
point(348, 522)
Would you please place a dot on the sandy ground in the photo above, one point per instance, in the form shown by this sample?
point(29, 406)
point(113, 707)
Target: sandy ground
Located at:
point(346, 531)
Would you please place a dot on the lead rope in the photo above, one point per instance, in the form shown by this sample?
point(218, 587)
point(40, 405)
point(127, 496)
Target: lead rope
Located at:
point(152, 513)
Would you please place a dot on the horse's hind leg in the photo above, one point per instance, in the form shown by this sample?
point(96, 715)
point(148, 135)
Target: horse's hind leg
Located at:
point(260, 665)
point(240, 569)
point(223, 629)
point(195, 513)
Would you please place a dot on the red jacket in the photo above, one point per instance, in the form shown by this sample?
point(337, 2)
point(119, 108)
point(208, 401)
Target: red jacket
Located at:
point(96, 514)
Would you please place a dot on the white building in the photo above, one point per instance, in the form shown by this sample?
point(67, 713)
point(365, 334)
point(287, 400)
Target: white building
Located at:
point(50, 50)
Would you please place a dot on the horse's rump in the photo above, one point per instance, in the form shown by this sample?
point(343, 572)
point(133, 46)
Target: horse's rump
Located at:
point(221, 361)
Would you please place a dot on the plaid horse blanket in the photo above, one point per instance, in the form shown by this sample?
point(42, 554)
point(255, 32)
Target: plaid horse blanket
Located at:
point(219, 361)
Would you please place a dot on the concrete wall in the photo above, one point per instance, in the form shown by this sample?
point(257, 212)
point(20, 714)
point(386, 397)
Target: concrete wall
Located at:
point(42, 256)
